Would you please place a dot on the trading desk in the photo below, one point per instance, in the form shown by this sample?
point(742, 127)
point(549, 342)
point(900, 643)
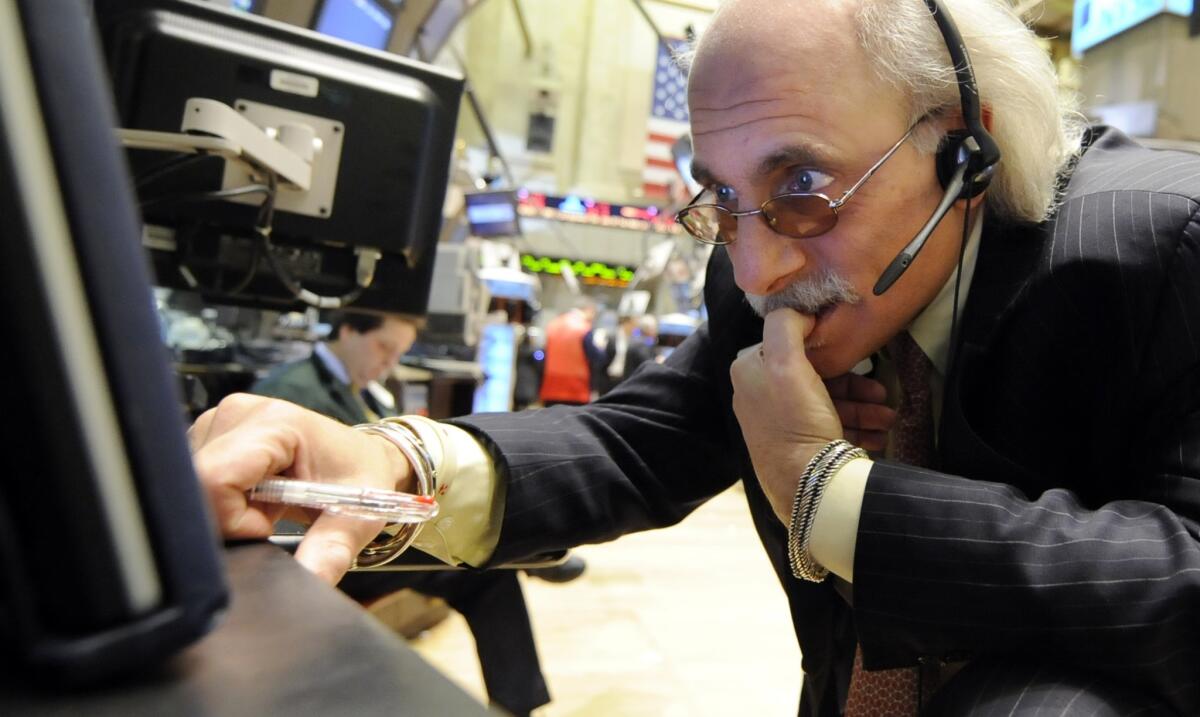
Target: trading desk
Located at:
point(289, 646)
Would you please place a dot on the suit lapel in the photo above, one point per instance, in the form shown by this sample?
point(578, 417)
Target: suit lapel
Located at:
point(339, 393)
point(1008, 257)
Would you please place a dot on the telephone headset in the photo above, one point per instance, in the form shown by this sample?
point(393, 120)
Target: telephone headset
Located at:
point(967, 160)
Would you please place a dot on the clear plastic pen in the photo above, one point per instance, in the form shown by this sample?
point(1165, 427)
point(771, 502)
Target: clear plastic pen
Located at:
point(367, 503)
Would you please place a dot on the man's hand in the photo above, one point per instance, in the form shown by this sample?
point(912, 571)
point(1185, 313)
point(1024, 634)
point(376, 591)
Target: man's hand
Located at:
point(783, 407)
point(248, 438)
point(859, 401)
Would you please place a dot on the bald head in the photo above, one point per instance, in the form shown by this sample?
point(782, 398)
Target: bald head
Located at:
point(762, 63)
point(758, 51)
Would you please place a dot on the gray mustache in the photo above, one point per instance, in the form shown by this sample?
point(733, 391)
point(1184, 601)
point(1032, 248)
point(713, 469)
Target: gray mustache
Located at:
point(808, 295)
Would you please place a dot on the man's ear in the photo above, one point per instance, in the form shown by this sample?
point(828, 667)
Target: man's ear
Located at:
point(952, 119)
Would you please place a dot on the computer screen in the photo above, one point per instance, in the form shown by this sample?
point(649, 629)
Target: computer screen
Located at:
point(365, 22)
point(493, 214)
point(108, 560)
point(1095, 21)
point(498, 358)
point(378, 130)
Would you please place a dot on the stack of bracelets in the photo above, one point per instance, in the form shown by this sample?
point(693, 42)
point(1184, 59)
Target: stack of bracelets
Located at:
point(820, 469)
point(396, 538)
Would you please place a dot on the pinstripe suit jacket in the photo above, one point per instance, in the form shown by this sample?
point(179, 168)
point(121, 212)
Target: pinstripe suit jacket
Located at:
point(1064, 522)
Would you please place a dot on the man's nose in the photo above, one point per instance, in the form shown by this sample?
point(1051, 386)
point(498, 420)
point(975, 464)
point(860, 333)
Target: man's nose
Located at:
point(763, 261)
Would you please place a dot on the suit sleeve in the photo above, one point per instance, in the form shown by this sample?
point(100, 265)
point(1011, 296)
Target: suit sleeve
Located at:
point(644, 456)
point(948, 567)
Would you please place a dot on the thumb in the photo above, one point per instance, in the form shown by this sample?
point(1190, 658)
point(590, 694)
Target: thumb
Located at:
point(784, 333)
point(333, 542)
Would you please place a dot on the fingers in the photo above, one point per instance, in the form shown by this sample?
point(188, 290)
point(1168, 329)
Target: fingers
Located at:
point(331, 544)
point(853, 387)
point(197, 433)
point(231, 463)
point(865, 416)
point(860, 406)
point(868, 440)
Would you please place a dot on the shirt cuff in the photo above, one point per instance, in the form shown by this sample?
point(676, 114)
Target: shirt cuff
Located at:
point(470, 496)
point(835, 525)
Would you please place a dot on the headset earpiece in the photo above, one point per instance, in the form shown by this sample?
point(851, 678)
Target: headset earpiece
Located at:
point(968, 157)
point(957, 148)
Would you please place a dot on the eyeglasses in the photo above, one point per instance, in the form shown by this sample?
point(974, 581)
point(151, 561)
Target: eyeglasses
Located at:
point(798, 215)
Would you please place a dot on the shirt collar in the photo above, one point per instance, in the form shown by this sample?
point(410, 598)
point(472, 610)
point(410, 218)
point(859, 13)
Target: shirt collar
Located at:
point(931, 328)
point(332, 362)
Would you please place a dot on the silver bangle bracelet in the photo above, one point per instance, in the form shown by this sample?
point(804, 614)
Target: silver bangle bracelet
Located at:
point(397, 537)
point(817, 474)
point(398, 429)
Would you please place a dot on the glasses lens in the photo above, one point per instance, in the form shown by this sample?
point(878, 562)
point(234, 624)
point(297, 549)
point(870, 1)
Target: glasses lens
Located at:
point(800, 215)
point(709, 224)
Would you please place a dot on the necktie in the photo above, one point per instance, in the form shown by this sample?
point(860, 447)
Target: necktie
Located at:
point(891, 693)
point(912, 437)
point(361, 399)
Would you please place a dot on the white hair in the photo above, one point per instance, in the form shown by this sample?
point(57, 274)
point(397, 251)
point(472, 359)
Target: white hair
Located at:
point(1037, 127)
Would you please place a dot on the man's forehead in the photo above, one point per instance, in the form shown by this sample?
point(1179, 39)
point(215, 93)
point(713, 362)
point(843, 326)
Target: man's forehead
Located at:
point(775, 154)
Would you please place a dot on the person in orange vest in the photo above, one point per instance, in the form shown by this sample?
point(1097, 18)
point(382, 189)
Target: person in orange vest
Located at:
point(567, 372)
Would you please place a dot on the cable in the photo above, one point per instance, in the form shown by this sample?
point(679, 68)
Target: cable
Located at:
point(962, 251)
point(171, 166)
point(207, 196)
point(263, 226)
point(239, 287)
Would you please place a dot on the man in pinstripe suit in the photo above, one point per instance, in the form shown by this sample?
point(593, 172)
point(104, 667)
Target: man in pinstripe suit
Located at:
point(1054, 550)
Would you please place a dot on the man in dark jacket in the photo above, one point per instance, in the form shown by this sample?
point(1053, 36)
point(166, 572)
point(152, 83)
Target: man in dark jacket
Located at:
point(1030, 387)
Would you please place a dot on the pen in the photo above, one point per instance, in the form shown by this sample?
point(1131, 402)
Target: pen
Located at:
point(357, 502)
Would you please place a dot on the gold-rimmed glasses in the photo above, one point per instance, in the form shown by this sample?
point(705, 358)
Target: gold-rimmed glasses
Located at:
point(799, 215)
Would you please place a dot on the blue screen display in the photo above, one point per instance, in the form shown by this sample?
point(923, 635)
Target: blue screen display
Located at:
point(1097, 20)
point(365, 22)
point(497, 357)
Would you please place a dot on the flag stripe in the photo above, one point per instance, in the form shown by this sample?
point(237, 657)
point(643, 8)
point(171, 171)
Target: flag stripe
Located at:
point(654, 175)
point(668, 122)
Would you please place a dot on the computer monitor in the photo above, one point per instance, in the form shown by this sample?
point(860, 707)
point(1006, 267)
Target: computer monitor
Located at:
point(365, 22)
point(380, 131)
point(108, 560)
point(493, 214)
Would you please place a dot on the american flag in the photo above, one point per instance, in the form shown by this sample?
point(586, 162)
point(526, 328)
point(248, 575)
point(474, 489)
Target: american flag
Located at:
point(668, 122)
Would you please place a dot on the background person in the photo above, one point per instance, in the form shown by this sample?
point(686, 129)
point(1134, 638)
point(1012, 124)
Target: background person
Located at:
point(567, 370)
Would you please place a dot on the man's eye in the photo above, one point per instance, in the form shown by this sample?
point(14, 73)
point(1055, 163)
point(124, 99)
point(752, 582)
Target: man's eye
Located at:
point(724, 195)
point(807, 180)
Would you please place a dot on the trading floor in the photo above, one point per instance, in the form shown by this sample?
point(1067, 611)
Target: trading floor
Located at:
point(646, 633)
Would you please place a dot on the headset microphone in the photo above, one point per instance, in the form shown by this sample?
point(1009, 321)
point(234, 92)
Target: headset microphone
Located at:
point(909, 252)
point(972, 150)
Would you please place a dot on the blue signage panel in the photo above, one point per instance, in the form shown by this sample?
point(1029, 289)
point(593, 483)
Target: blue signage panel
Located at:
point(1097, 20)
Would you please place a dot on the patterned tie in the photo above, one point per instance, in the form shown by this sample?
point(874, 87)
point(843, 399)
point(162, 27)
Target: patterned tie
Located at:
point(891, 693)
point(361, 399)
point(912, 437)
